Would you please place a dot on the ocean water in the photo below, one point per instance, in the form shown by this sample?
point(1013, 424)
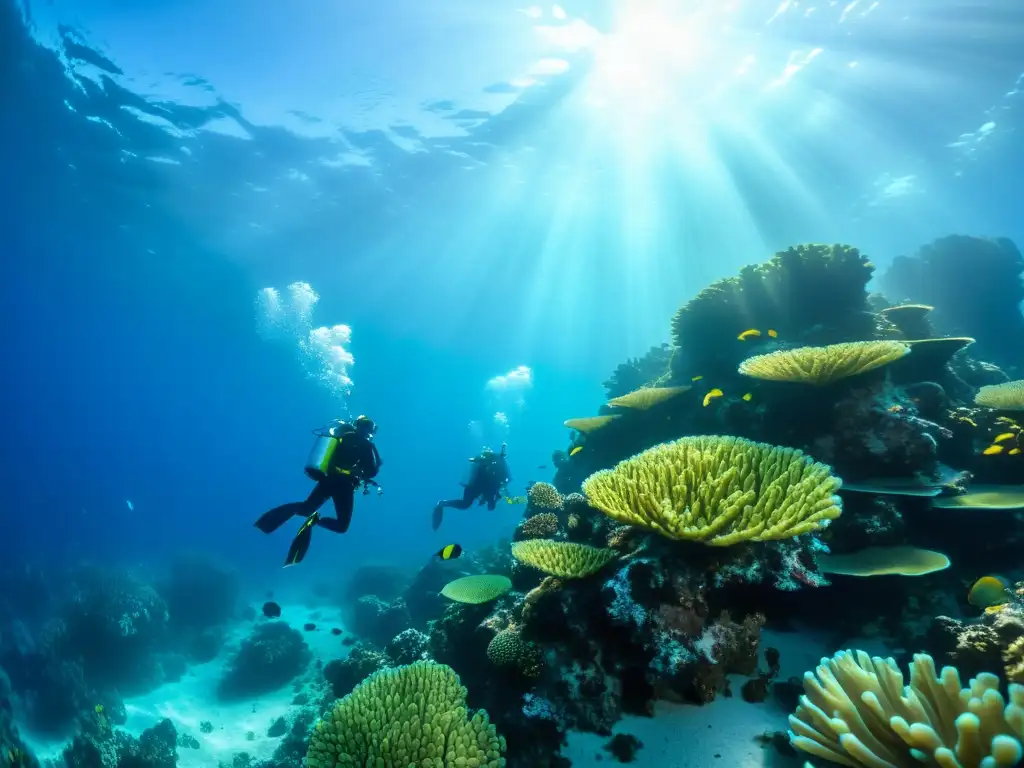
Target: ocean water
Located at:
point(227, 224)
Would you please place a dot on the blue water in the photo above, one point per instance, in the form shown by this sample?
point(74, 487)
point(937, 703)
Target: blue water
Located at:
point(470, 187)
point(165, 161)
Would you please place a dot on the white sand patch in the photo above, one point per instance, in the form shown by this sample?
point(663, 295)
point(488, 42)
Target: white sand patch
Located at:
point(723, 733)
point(238, 726)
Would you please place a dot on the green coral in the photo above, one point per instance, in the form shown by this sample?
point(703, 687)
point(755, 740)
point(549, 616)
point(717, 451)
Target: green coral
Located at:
point(508, 649)
point(474, 590)
point(814, 292)
point(413, 715)
point(565, 559)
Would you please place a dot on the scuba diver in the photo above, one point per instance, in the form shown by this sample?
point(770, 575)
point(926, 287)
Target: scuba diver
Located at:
point(488, 480)
point(344, 458)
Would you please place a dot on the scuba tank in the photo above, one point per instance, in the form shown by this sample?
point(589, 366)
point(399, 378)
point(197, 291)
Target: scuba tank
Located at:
point(319, 462)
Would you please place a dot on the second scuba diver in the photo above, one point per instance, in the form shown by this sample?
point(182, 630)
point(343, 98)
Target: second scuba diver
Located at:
point(343, 459)
point(487, 482)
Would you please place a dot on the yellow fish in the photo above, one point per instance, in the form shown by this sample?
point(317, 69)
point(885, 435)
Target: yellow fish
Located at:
point(711, 396)
point(773, 333)
point(1005, 420)
point(748, 396)
point(988, 591)
point(1013, 451)
point(515, 499)
point(1001, 438)
point(895, 409)
point(696, 378)
point(993, 450)
point(965, 420)
point(575, 450)
point(750, 332)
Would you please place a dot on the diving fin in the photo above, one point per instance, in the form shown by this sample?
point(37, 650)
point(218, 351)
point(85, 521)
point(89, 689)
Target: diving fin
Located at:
point(278, 516)
point(300, 544)
point(437, 517)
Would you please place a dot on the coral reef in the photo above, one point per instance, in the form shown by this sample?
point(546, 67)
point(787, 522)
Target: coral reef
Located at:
point(273, 655)
point(974, 283)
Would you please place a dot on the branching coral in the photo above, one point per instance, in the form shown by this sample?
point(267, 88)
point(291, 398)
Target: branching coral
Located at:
point(718, 490)
point(540, 526)
point(544, 496)
point(565, 559)
point(638, 372)
point(823, 365)
point(408, 715)
point(856, 712)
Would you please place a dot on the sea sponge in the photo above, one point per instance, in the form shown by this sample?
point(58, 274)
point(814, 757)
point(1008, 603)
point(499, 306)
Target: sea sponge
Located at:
point(478, 589)
point(540, 526)
point(884, 561)
point(410, 715)
point(1002, 397)
point(718, 490)
point(544, 496)
point(823, 365)
point(856, 712)
point(508, 649)
point(565, 559)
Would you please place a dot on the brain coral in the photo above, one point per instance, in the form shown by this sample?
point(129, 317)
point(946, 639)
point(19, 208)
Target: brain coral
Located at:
point(562, 558)
point(718, 490)
point(508, 649)
point(404, 716)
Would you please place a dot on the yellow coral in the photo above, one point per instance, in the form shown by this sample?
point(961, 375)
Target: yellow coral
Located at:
point(540, 526)
point(566, 559)
point(718, 490)
point(856, 712)
point(1014, 658)
point(544, 496)
point(508, 649)
point(647, 397)
point(574, 521)
point(589, 423)
point(409, 715)
point(1008, 396)
point(823, 365)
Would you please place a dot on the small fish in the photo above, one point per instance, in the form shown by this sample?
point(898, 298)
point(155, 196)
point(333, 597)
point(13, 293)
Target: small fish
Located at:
point(749, 333)
point(131, 507)
point(99, 709)
point(575, 450)
point(773, 333)
point(515, 499)
point(1013, 451)
point(309, 626)
point(335, 631)
point(711, 396)
point(696, 378)
point(1005, 420)
point(449, 552)
point(271, 609)
point(748, 396)
point(992, 609)
point(869, 264)
point(542, 466)
point(966, 420)
point(993, 450)
point(1003, 437)
point(988, 591)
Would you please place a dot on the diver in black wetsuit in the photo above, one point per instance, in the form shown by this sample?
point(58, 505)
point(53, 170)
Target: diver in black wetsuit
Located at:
point(487, 482)
point(353, 463)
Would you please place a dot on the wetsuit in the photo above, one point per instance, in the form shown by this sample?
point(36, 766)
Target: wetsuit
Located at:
point(355, 461)
point(487, 483)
